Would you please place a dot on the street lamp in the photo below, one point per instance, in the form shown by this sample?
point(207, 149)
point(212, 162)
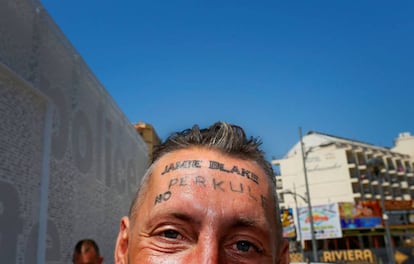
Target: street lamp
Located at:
point(375, 165)
point(295, 195)
point(312, 227)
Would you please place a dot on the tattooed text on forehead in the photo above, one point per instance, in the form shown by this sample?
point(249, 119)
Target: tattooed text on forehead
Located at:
point(214, 165)
point(216, 185)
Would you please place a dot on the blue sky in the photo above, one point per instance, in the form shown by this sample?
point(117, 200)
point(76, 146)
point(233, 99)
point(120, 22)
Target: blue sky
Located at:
point(344, 68)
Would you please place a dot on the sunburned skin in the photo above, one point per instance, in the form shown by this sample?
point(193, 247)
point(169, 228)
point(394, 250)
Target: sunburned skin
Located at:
point(198, 213)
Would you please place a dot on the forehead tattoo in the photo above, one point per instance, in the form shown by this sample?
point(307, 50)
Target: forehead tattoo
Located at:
point(232, 185)
point(214, 165)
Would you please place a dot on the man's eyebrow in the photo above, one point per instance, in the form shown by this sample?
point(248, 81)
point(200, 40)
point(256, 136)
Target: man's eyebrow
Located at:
point(183, 216)
point(258, 225)
point(179, 216)
point(245, 222)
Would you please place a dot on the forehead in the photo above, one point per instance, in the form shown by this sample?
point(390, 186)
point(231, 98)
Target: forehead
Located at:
point(212, 172)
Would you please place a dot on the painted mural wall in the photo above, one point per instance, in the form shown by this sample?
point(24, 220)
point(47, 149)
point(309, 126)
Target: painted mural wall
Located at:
point(70, 161)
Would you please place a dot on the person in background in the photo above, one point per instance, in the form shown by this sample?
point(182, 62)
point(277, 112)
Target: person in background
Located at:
point(209, 196)
point(87, 252)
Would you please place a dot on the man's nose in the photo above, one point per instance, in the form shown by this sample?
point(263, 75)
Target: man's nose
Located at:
point(208, 252)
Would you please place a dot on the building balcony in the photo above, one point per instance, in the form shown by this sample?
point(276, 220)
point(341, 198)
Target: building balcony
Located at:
point(391, 170)
point(368, 196)
point(395, 185)
point(407, 197)
point(365, 182)
point(362, 166)
point(354, 180)
point(400, 173)
point(351, 165)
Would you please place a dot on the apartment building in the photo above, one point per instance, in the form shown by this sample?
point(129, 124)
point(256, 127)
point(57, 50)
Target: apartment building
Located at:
point(341, 170)
point(353, 172)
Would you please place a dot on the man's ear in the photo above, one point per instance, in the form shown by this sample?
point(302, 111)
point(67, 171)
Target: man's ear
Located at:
point(284, 253)
point(121, 247)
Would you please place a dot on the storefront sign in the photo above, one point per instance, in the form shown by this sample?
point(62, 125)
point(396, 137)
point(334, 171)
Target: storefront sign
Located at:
point(326, 221)
point(365, 214)
point(288, 224)
point(345, 256)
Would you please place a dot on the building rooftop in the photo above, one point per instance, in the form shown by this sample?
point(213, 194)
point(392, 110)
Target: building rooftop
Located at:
point(315, 139)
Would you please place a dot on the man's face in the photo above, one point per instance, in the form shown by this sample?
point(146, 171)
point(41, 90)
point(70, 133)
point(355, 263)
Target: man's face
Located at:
point(201, 207)
point(88, 255)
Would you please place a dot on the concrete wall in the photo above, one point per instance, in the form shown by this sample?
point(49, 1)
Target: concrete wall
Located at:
point(70, 161)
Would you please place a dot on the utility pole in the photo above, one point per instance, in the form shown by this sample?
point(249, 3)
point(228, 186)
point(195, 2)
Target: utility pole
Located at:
point(312, 227)
point(299, 231)
point(299, 227)
point(375, 165)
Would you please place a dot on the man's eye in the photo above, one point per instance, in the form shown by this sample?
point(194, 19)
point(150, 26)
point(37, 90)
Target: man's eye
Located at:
point(170, 234)
point(245, 246)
